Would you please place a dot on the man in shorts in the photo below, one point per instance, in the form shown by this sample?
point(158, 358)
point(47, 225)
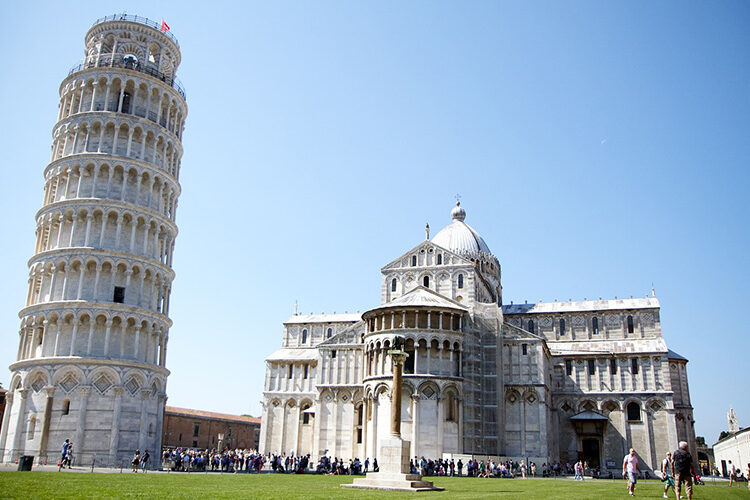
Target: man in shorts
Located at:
point(630, 469)
point(667, 471)
point(684, 468)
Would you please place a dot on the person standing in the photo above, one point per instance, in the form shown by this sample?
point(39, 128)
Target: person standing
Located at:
point(136, 460)
point(630, 468)
point(144, 461)
point(732, 473)
point(460, 467)
point(684, 468)
point(667, 471)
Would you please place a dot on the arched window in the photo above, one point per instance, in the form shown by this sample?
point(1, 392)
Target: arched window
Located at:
point(291, 371)
point(393, 285)
point(630, 324)
point(595, 326)
point(451, 414)
point(634, 366)
point(460, 281)
point(304, 336)
point(32, 427)
point(413, 260)
point(531, 325)
point(329, 332)
point(634, 411)
point(305, 414)
point(562, 326)
point(440, 259)
point(66, 407)
point(426, 281)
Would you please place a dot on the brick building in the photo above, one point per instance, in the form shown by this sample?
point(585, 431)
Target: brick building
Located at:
point(205, 429)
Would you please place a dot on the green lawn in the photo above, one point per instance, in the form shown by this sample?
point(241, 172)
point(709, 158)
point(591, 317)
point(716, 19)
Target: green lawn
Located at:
point(67, 485)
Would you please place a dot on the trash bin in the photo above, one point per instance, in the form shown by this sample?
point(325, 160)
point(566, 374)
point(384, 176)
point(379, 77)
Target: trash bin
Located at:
point(25, 462)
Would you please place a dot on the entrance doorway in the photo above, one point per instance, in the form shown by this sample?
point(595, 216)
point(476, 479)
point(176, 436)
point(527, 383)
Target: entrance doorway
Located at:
point(591, 452)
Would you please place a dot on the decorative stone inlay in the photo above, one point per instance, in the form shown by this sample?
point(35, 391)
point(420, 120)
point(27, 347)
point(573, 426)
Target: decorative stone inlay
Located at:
point(69, 382)
point(546, 321)
point(38, 384)
point(566, 407)
point(531, 398)
point(647, 319)
point(132, 385)
point(429, 392)
point(102, 383)
point(345, 398)
point(578, 321)
point(612, 320)
point(329, 398)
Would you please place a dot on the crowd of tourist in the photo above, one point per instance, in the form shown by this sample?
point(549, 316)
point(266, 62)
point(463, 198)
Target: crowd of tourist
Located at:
point(250, 461)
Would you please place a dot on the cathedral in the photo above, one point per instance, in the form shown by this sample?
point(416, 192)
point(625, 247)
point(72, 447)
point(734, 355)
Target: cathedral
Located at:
point(542, 382)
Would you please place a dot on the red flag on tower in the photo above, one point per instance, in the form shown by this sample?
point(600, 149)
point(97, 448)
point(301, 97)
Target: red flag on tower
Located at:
point(164, 26)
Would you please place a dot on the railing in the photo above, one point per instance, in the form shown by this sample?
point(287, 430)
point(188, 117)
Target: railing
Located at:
point(140, 20)
point(106, 61)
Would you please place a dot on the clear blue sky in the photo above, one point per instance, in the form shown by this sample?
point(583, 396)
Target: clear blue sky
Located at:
point(599, 147)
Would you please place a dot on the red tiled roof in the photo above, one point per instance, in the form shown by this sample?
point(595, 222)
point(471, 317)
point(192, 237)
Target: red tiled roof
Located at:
point(210, 414)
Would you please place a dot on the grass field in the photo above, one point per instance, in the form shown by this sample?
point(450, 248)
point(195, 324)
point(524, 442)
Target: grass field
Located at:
point(128, 485)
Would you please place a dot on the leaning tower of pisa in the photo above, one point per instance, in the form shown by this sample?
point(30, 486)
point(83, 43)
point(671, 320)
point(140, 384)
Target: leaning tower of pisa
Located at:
point(93, 336)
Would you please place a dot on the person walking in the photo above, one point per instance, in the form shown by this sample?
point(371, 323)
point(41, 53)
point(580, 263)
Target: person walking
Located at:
point(630, 468)
point(684, 469)
point(64, 454)
point(732, 473)
point(136, 460)
point(145, 460)
point(667, 471)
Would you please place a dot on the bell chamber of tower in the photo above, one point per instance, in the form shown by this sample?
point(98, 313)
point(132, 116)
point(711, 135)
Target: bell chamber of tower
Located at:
point(91, 360)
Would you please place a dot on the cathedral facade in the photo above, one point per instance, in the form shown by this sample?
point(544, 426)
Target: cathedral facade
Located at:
point(542, 382)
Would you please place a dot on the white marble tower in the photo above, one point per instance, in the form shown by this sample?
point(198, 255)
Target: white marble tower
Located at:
point(93, 338)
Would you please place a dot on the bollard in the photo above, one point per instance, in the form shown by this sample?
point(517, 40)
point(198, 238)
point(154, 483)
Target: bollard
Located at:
point(92, 464)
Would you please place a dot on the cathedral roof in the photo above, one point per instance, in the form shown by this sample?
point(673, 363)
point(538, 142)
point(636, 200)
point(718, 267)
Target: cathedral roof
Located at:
point(582, 305)
point(324, 318)
point(421, 296)
point(294, 354)
point(673, 355)
point(459, 237)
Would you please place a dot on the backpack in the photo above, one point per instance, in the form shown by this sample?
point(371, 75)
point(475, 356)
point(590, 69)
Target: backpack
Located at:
point(682, 461)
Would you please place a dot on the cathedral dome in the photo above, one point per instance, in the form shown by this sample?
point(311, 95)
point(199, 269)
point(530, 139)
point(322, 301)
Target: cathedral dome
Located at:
point(459, 237)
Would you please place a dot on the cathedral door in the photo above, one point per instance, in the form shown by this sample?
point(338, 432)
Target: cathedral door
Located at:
point(591, 452)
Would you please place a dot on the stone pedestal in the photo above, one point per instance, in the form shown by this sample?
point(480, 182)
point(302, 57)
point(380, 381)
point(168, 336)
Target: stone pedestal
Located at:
point(394, 470)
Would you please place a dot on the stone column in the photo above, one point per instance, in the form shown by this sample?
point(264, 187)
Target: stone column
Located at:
point(20, 417)
point(4, 428)
point(84, 390)
point(316, 430)
point(440, 425)
point(44, 439)
point(334, 425)
point(414, 424)
point(375, 408)
point(461, 426)
point(143, 424)
point(115, 436)
point(398, 365)
point(161, 401)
